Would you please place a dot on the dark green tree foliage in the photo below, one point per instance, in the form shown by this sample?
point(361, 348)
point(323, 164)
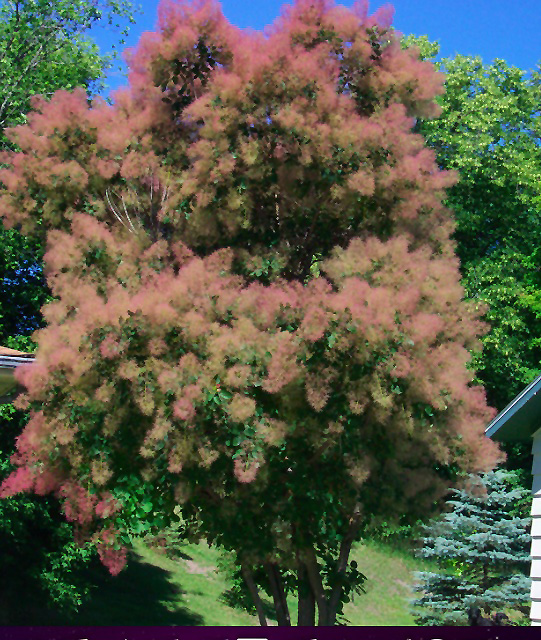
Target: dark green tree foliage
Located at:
point(39, 559)
point(23, 289)
point(482, 549)
point(511, 352)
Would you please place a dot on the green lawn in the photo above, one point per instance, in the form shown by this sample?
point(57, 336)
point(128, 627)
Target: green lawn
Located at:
point(157, 590)
point(388, 587)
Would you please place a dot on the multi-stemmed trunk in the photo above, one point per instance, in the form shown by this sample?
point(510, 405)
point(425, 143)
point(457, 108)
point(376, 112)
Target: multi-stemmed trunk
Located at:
point(311, 591)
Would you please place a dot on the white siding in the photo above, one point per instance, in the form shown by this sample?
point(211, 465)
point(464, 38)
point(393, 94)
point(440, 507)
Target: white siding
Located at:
point(536, 466)
point(536, 590)
point(536, 548)
point(535, 570)
point(536, 609)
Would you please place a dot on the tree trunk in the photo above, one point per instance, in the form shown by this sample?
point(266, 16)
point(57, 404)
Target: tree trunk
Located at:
point(316, 583)
point(341, 567)
point(307, 601)
point(278, 595)
point(252, 588)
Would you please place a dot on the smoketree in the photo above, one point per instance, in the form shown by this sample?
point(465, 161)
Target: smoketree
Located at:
point(482, 548)
point(43, 47)
point(257, 313)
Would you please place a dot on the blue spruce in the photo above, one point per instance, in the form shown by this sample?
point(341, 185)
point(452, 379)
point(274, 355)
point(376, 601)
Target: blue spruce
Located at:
point(481, 547)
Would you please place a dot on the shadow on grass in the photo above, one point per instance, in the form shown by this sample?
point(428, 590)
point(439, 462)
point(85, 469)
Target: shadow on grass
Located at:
point(141, 595)
point(233, 600)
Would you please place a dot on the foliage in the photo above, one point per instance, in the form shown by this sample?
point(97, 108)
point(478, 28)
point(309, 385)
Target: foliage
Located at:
point(482, 549)
point(170, 540)
point(194, 354)
point(43, 47)
point(427, 50)
point(50, 567)
point(511, 350)
point(488, 131)
point(23, 290)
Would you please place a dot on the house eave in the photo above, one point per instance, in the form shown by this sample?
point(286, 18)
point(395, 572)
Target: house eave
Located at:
point(520, 419)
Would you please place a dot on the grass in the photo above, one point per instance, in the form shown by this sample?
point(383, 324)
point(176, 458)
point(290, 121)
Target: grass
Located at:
point(389, 574)
point(156, 590)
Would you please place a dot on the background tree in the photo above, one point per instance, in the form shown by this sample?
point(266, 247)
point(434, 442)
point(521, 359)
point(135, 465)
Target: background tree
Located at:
point(489, 131)
point(192, 353)
point(43, 47)
point(482, 547)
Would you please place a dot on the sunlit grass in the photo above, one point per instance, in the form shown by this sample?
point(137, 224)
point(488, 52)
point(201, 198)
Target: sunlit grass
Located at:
point(156, 590)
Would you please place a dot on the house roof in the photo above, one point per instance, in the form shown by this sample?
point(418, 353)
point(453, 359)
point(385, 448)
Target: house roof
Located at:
point(521, 418)
point(10, 359)
point(6, 351)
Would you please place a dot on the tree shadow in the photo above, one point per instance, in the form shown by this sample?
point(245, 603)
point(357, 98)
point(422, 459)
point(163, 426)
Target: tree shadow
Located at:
point(141, 595)
point(233, 600)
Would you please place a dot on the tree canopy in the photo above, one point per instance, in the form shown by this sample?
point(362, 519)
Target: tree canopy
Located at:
point(44, 46)
point(256, 304)
point(489, 131)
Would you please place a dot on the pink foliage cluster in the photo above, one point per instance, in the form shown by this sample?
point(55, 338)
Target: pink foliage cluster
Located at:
point(112, 556)
point(292, 104)
point(380, 298)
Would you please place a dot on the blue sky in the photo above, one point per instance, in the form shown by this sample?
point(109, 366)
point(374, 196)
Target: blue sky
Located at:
point(508, 29)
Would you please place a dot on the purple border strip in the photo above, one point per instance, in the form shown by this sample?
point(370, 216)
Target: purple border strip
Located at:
point(268, 633)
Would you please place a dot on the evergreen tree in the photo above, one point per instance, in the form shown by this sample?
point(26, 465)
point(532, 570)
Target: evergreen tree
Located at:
point(482, 549)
